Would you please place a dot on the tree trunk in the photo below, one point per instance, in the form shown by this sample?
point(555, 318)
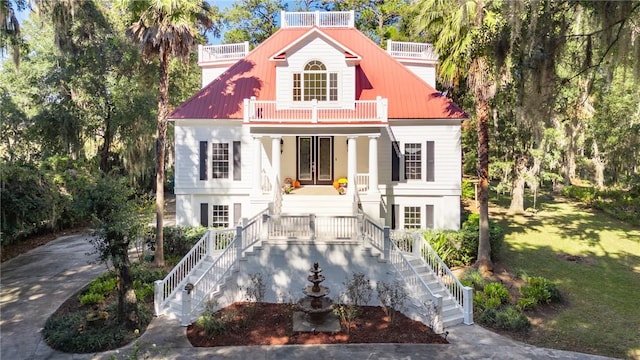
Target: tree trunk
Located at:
point(598, 165)
point(483, 262)
point(517, 189)
point(105, 149)
point(163, 112)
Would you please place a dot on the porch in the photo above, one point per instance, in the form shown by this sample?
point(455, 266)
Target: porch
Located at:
point(311, 164)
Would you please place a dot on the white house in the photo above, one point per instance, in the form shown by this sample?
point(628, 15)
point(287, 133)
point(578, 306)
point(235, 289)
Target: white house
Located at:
point(315, 102)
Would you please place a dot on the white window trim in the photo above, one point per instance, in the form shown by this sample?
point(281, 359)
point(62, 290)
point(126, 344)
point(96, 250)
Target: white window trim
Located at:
point(209, 164)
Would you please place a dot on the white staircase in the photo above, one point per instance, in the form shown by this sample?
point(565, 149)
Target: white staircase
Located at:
point(452, 313)
point(276, 261)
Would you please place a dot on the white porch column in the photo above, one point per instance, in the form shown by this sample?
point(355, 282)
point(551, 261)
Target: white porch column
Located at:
point(352, 163)
point(257, 160)
point(373, 165)
point(275, 160)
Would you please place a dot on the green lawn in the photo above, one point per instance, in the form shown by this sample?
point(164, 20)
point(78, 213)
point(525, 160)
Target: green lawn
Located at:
point(602, 293)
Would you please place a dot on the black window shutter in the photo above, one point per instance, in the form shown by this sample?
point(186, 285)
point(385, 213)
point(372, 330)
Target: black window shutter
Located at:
point(429, 213)
point(237, 213)
point(431, 168)
point(204, 214)
point(395, 211)
point(237, 170)
point(203, 160)
point(395, 161)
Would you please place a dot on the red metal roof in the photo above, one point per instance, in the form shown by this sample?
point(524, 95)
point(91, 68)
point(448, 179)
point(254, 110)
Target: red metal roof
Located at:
point(378, 74)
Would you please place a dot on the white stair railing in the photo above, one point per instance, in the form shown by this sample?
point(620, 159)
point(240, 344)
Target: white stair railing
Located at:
point(196, 293)
point(462, 294)
point(430, 303)
point(164, 289)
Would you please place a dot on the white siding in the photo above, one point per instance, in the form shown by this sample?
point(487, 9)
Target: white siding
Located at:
point(332, 57)
point(191, 191)
point(444, 192)
point(425, 72)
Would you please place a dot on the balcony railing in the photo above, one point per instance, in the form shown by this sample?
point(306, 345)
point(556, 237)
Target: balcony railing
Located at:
point(317, 18)
point(411, 50)
point(211, 53)
point(259, 111)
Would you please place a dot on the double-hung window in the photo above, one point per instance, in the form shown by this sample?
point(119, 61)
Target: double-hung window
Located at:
point(225, 160)
point(219, 160)
point(413, 161)
point(315, 83)
point(220, 216)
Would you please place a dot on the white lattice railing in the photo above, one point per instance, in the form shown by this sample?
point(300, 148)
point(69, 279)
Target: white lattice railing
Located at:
point(210, 53)
point(268, 111)
point(212, 240)
point(411, 50)
point(317, 18)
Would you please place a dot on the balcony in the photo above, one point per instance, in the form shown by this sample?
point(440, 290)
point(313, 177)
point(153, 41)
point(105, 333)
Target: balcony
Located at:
point(344, 19)
point(369, 111)
point(222, 53)
point(411, 50)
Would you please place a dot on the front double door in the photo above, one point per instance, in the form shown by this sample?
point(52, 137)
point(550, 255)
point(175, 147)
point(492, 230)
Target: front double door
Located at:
point(315, 160)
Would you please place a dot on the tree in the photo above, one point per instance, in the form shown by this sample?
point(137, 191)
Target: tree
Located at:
point(252, 20)
point(375, 18)
point(162, 29)
point(120, 217)
point(468, 37)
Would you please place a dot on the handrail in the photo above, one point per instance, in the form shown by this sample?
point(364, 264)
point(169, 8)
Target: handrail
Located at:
point(417, 286)
point(462, 294)
point(166, 287)
point(269, 111)
point(372, 233)
point(246, 236)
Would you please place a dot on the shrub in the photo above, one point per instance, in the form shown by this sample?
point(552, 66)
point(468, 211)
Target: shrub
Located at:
point(473, 279)
point(538, 290)
point(103, 286)
point(392, 298)
point(468, 189)
point(212, 324)
point(90, 298)
point(471, 237)
point(441, 242)
point(512, 319)
point(498, 291)
point(358, 290)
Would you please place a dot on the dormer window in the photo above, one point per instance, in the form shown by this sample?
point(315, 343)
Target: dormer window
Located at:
point(315, 82)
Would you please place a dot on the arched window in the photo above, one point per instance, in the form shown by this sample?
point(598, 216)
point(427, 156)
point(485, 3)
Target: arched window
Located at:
point(315, 82)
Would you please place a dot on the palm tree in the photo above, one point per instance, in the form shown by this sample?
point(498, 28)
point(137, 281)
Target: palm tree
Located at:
point(165, 28)
point(463, 33)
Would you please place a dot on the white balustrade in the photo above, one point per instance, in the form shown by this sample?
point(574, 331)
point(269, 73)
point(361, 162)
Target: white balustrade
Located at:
point(210, 53)
point(362, 182)
point(411, 50)
point(258, 111)
point(304, 19)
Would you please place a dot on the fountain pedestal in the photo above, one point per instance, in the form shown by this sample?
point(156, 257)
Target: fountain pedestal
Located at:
point(316, 313)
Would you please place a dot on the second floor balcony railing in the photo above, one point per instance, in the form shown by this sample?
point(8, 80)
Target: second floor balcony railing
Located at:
point(411, 50)
point(211, 53)
point(261, 111)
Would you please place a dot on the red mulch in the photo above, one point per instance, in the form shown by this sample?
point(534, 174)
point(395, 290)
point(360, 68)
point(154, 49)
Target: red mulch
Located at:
point(272, 324)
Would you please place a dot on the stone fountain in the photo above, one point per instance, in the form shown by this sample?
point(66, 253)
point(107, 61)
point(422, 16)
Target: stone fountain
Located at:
point(316, 306)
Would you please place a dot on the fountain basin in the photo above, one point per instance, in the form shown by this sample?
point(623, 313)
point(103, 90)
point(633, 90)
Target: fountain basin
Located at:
point(316, 308)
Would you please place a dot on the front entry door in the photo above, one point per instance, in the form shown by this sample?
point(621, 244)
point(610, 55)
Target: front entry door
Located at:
point(315, 160)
